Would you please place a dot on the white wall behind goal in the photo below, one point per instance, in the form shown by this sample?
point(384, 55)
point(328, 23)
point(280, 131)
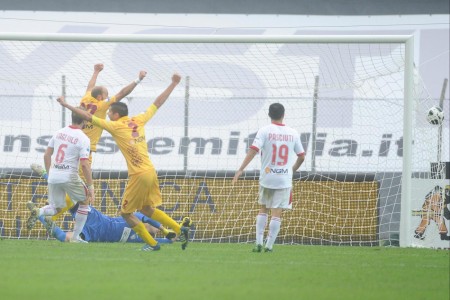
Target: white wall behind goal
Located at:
point(41, 117)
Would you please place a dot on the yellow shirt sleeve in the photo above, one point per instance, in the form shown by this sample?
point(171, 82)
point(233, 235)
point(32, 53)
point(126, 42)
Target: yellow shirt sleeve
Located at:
point(147, 115)
point(102, 123)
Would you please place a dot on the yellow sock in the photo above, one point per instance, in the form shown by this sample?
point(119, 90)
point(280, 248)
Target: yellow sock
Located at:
point(164, 231)
point(167, 221)
point(143, 233)
point(69, 205)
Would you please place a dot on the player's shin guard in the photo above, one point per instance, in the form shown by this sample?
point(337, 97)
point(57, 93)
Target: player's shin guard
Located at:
point(164, 219)
point(80, 220)
point(143, 233)
point(274, 229)
point(261, 222)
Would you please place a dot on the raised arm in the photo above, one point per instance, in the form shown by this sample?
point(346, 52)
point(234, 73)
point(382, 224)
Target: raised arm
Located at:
point(164, 95)
point(129, 88)
point(82, 113)
point(97, 69)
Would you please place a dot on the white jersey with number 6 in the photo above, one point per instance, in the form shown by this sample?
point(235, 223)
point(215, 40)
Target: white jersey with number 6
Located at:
point(69, 145)
point(280, 146)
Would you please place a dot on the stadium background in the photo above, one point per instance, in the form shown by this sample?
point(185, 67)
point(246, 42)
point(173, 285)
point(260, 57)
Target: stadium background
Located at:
point(344, 8)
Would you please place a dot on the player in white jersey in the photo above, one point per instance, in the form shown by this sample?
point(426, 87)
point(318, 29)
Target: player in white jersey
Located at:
point(67, 149)
point(281, 155)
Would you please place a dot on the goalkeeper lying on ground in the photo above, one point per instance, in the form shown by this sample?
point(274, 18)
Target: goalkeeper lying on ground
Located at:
point(101, 228)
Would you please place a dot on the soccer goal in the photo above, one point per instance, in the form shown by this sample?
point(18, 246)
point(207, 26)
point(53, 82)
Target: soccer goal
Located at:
point(354, 99)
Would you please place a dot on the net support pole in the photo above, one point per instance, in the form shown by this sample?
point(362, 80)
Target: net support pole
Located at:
point(405, 218)
point(439, 152)
point(314, 124)
point(63, 93)
point(186, 121)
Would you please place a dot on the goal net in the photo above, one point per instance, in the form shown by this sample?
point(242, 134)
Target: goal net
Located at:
point(344, 96)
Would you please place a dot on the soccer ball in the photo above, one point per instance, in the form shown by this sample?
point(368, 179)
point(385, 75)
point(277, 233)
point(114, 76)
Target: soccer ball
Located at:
point(435, 115)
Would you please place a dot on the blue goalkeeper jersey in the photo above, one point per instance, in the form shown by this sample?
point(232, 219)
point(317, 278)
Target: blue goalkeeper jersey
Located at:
point(101, 228)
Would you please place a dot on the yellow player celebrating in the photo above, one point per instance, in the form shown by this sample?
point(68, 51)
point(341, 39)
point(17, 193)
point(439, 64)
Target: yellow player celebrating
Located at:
point(142, 192)
point(96, 102)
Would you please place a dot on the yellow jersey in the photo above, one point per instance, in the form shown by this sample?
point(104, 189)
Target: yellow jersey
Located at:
point(129, 134)
point(97, 108)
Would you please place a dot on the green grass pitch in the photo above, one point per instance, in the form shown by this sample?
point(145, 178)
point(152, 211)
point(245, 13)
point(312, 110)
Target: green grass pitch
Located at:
point(31, 269)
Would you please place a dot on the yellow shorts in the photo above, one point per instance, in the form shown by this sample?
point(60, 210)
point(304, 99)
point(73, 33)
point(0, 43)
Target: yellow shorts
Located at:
point(142, 190)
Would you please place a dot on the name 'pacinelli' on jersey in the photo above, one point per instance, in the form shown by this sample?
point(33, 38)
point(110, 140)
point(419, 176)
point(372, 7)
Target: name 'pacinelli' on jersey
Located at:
point(279, 146)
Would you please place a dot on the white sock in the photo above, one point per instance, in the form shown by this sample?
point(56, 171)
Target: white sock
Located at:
point(80, 220)
point(48, 210)
point(261, 221)
point(274, 228)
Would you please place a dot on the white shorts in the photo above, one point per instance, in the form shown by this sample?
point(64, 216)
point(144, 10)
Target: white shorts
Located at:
point(76, 190)
point(275, 198)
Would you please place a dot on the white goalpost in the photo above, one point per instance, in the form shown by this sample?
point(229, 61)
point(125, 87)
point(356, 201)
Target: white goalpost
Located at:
point(356, 101)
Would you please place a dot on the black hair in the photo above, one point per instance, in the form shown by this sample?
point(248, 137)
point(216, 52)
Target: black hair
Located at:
point(120, 108)
point(276, 111)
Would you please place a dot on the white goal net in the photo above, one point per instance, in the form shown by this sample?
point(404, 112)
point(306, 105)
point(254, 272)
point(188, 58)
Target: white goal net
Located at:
point(345, 98)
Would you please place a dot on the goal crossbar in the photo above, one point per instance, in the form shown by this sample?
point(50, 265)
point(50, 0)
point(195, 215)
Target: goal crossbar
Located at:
point(178, 38)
